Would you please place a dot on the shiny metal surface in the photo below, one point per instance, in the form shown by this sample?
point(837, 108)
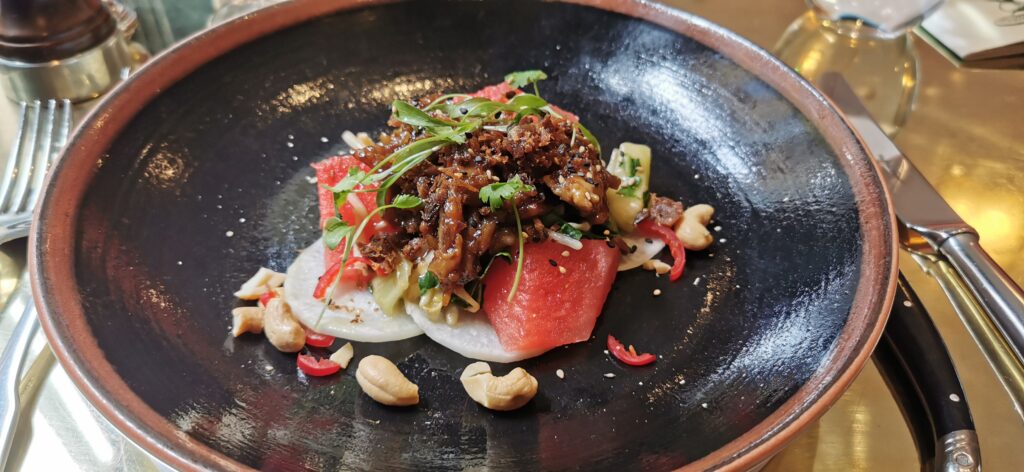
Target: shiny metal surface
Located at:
point(15, 352)
point(963, 135)
point(922, 211)
point(961, 451)
point(80, 77)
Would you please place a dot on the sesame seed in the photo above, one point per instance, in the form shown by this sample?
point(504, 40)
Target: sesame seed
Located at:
point(609, 375)
point(565, 253)
point(696, 281)
point(590, 175)
point(291, 136)
point(696, 176)
point(657, 292)
point(241, 220)
point(552, 262)
point(606, 352)
point(560, 373)
point(561, 270)
point(606, 232)
point(907, 303)
point(718, 228)
point(598, 167)
point(290, 144)
point(582, 149)
point(229, 234)
point(722, 240)
point(561, 179)
point(323, 139)
point(179, 262)
point(954, 397)
point(682, 381)
point(268, 367)
point(640, 383)
point(704, 406)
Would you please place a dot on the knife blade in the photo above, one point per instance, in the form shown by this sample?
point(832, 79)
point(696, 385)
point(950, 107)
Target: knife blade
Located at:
point(928, 223)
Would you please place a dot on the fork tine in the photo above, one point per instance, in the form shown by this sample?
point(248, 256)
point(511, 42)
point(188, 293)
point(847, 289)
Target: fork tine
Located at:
point(7, 178)
point(52, 123)
point(24, 161)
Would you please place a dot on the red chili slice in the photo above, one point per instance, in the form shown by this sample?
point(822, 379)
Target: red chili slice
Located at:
point(267, 297)
point(675, 246)
point(360, 275)
point(318, 340)
point(316, 367)
point(629, 356)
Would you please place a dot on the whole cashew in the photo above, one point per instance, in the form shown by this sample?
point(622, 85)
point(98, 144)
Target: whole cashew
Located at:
point(692, 229)
point(281, 327)
point(498, 393)
point(383, 382)
point(246, 319)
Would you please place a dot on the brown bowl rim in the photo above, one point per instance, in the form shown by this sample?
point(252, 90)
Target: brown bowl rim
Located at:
point(52, 238)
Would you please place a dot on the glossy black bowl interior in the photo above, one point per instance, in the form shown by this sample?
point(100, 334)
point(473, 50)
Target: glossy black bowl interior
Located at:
point(209, 182)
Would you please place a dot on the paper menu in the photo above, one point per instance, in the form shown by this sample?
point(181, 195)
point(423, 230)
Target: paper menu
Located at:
point(979, 29)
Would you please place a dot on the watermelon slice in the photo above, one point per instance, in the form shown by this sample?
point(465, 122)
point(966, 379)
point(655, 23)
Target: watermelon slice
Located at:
point(551, 307)
point(329, 172)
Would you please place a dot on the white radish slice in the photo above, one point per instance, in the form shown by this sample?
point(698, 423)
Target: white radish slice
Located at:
point(645, 251)
point(472, 336)
point(357, 316)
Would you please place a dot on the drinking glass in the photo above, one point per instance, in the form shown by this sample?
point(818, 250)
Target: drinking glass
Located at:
point(866, 41)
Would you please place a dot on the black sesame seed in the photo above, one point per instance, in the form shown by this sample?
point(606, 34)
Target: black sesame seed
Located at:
point(648, 240)
point(510, 94)
point(632, 249)
point(463, 111)
point(609, 243)
point(552, 262)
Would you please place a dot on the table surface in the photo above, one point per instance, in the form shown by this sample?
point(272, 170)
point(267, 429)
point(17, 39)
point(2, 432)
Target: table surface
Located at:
point(965, 134)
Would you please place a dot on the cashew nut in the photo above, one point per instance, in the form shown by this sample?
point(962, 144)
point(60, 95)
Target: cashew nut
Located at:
point(263, 280)
point(498, 393)
point(343, 356)
point(657, 266)
point(383, 382)
point(281, 327)
point(692, 229)
point(246, 319)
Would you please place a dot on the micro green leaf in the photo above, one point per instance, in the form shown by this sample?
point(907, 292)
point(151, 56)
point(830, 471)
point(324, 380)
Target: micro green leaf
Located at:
point(406, 202)
point(498, 193)
point(522, 78)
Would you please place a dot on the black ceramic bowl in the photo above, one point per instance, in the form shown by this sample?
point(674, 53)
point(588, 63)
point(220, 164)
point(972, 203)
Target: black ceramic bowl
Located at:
point(194, 173)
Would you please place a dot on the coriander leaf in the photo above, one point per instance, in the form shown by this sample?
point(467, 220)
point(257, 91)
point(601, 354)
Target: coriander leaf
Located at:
point(335, 230)
point(406, 202)
point(498, 193)
point(570, 231)
point(521, 78)
point(428, 281)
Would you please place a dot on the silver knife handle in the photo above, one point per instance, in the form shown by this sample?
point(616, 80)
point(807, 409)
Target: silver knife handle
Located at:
point(997, 293)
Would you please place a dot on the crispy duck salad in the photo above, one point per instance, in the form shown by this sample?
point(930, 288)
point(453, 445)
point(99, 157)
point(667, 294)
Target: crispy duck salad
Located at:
point(488, 221)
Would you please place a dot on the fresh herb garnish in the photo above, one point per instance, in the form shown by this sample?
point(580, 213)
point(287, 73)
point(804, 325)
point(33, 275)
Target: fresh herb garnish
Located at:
point(496, 195)
point(570, 231)
point(428, 281)
point(335, 230)
point(522, 78)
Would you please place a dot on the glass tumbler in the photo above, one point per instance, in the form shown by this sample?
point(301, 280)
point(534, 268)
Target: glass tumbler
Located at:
point(866, 41)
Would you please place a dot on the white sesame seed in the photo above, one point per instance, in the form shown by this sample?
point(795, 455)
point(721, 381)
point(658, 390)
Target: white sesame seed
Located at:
point(179, 262)
point(696, 281)
point(561, 269)
point(229, 233)
point(565, 253)
point(954, 397)
point(323, 139)
point(268, 367)
point(241, 220)
point(582, 149)
point(718, 228)
point(682, 382)
point(295, 158)
point(290, 144)
point(657, 292)
point(704, 405)
point(560, 373)
point(609, 375)
point(722, 240)
point(606, 351)
point(606, 232)
point(696, 176)
point(640, 383)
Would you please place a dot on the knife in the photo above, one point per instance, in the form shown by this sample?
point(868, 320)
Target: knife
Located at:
point(927, 224)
